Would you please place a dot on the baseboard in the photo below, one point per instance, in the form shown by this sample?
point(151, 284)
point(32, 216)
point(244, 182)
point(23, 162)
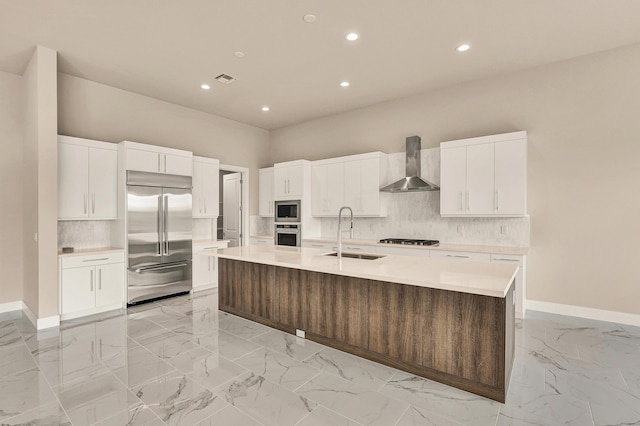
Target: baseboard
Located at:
point(11, 306)
point(41, 323)
point(584, 312)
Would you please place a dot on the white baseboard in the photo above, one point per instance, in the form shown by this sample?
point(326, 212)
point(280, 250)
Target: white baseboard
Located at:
point(11, 306)
point(41, 323)
point(583, 312)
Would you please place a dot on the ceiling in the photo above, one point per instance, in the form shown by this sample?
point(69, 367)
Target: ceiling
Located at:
point(167, 48)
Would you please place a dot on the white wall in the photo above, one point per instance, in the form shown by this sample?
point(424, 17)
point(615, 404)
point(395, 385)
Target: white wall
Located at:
point(582, 117)
point(11, 139)
point(95, 111)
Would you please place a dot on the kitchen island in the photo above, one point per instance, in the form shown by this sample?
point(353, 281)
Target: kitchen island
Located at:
point(448, 321)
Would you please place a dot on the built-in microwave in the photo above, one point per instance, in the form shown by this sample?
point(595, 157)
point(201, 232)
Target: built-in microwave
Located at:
point(287, 211)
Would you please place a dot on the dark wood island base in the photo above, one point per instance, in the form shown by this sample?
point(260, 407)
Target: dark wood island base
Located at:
point(459, 339)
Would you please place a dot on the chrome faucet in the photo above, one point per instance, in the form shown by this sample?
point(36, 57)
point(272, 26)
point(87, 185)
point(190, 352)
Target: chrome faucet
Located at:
point(340, 229)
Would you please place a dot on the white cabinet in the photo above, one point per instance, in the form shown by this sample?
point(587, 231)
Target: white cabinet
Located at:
point(87, 179)
point(91, 283)
point(521, 284)
point(205, 267)
point(461, 255)
point(261, 241)
point(327, 187)
point(265, 194)
point(352, 181)
point(484, 176)
point(289, 179)
point(156, 159)
point(206, 187)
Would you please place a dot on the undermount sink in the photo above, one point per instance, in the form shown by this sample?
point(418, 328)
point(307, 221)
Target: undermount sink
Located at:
point(356, 256)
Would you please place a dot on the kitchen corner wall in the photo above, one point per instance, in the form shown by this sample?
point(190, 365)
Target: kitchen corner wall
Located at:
point(11, 143)
point(581, 116)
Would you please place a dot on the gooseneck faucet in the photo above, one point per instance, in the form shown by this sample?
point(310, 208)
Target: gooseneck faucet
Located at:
point(340, 228)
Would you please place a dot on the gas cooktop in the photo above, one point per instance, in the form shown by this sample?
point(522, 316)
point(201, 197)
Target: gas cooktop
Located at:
point(409, 242)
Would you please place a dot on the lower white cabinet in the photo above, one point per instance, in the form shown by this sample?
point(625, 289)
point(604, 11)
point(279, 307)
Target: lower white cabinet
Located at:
point(205, 267)
point(91, 284)
point(521, 282)
point(461, 255)
point(261, 241)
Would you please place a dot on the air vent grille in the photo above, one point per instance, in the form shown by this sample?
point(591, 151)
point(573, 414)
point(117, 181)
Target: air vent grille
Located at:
point(225, 79)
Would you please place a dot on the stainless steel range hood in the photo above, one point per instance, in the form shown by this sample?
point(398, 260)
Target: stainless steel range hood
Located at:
point(412, 182)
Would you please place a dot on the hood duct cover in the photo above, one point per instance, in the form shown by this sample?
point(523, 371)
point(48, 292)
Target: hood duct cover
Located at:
point(412, 182)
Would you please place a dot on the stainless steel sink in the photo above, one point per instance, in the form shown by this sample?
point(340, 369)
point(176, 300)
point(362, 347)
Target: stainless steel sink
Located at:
point(356, 255)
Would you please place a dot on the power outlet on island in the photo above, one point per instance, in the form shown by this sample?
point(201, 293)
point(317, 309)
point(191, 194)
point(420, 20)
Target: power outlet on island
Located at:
point(300, 333)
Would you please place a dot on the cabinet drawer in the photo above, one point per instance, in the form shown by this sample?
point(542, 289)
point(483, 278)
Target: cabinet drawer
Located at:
point(461, 255)
point(92, 260)
point(506, 258)
point(403, 251)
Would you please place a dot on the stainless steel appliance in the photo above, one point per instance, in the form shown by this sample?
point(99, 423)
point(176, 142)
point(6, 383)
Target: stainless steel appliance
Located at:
point(288, 234)
point(409, 242)
point(158, 235)
point(412, 181)
point(287, 211)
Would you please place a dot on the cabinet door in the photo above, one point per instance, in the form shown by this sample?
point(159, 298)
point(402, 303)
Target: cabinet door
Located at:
point(369, 187)
point(511, 177)
point(177, 165)
point(73, 178)
point(143, 161)
point(335, 188)
point(319, 190)
point(202, 274)
point(266, 193)
point(210, 189)
point(480, 179)
point(78, 289)
point(280, 184)
point(352, 185)
point(453, 180)
point(109, 284)
point(103, 183)
point(295, 181)
point(196, 194)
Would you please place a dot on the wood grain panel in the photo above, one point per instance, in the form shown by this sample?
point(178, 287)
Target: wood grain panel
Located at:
point(230, 283)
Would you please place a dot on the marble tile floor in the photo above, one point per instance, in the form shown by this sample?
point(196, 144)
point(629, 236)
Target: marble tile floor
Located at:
point(180, 361)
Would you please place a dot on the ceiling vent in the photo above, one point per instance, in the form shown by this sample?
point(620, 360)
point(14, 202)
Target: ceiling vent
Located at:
point(225, 79)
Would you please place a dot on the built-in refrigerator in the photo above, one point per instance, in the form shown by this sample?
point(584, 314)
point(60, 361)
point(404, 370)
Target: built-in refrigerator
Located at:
point(158, 235)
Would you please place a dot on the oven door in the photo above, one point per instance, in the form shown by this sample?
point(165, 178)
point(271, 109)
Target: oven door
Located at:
point(288, 237)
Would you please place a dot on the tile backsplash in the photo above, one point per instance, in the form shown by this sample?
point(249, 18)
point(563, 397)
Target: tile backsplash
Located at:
point(84, 234)
point(261, 225)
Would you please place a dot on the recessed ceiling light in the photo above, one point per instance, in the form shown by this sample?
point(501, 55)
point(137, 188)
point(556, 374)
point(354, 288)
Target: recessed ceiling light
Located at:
point(309, 18)
point(352, 36)
point(463, 47)
point(345, 84)
point(205, 86)
point(265, 108)
point(239, 54)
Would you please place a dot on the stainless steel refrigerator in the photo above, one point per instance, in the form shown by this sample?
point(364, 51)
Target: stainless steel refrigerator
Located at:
point(158, 235)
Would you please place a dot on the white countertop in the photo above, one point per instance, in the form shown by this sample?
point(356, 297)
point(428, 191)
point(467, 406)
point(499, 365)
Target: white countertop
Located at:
point(85, 252)
point(210, 242)
point(487, 279)
point(471, 248)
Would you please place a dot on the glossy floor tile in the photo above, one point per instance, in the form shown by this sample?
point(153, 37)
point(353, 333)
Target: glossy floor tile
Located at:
point(179, 361)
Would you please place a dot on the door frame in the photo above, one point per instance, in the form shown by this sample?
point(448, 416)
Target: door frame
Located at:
point(244, 226)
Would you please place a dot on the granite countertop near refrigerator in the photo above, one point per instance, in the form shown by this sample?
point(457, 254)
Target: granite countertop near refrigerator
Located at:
point(91, 251)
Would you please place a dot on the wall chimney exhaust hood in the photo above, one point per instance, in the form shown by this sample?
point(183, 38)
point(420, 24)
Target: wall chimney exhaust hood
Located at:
point(412, 182)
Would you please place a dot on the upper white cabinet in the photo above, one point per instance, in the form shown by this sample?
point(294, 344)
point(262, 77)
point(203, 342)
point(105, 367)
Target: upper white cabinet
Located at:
point(352, 181)
point(266, 192)
point(87, 179)
point(206, 187)
point(327, 187)
point(485, 176)
point(156, 159)
point(288, 179)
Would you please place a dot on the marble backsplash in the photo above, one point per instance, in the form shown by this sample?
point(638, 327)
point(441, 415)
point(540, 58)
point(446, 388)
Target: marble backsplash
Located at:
point(84, 234)
point(261, 225)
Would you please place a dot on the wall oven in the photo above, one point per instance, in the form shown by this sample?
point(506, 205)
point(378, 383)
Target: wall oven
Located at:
point(288, 234)
point(287, 211)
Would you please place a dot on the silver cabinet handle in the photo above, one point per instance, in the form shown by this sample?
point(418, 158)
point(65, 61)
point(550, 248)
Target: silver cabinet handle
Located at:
point(165, 163)
point(93, 202)
point(159, 163)
point(205, 205)
point(468, 200)
point(99, 279)
point(507, 260)
point(497, 200)
point(461, 201)
point(96, 260)
point(84, 198)
point(459, 256)
point(91, 285)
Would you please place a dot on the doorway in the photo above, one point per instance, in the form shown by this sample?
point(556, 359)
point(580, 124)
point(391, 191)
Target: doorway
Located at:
point(234, 197)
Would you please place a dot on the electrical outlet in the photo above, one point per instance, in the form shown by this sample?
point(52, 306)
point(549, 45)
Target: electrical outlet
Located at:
point(300, 333)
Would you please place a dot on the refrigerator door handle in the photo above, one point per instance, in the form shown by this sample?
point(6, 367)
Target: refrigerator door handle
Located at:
point(159, 226)
point(165, 220)
point(159, 268)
